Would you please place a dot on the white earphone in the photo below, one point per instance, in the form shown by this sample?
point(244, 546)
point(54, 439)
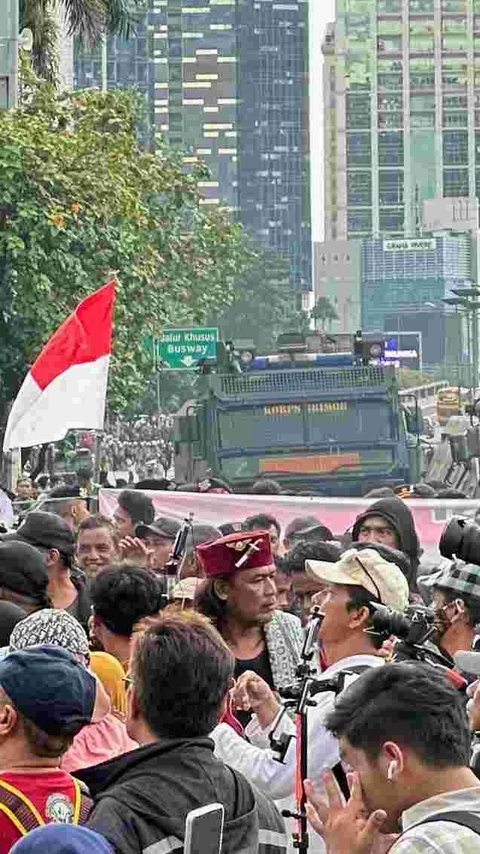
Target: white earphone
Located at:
point(391, 770)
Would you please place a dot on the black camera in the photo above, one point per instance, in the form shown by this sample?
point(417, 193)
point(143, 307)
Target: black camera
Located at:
point(414, 626)
point(461, 539)
point(414, 629)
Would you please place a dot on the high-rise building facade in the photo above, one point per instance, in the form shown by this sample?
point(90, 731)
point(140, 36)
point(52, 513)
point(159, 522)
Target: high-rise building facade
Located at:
point(232, 91)
point(229, 85)
point(404, 282)
point(402, 112)
point(196, 91)
point(127, 63)
point(273, 114)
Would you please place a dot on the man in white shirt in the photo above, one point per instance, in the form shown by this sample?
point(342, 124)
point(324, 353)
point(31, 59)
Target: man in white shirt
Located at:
point(404, 731)
point(354, 581)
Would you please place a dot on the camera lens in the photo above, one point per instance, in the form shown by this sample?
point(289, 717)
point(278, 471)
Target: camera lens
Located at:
point(387, 622)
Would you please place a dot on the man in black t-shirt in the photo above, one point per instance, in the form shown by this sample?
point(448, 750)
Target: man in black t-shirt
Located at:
point(240, 597)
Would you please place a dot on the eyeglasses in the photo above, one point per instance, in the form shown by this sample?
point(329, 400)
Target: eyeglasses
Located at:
point(127, 680)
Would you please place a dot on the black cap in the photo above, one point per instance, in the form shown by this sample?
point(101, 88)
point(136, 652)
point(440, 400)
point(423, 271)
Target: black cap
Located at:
point(22, 570)
point(44, 530)
point(160, 483)
point(64, 492)
point(164, 527)
point(307, 528)
point(198, 534)
point(50, 688)
point(230, 528)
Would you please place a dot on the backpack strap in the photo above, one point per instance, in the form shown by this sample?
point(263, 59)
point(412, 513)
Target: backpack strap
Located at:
point(86, 805)
point(461, 817)
point(83, 802)
point(338, 770)
point(19, 809)
point(25, 816)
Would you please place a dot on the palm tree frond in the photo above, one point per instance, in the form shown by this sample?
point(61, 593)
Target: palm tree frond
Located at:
point(42, 19)
point(86, 19)
point(122, 15)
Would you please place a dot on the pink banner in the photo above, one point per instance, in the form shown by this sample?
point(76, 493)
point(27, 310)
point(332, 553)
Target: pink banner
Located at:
point(337, 513)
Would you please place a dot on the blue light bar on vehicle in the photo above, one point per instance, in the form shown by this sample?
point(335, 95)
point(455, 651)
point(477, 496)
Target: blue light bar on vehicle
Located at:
point(282, 361)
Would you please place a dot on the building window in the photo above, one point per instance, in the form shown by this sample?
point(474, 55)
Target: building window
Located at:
point(455, 147)
point(390, 6)
point(359, 149)
point(418, 6)
point(358, 111)
point(359, 222)
point(389, 44)
point(359, 188)
point(391, 187)
point(454, 5)
point(392, 221)
point(455, 182)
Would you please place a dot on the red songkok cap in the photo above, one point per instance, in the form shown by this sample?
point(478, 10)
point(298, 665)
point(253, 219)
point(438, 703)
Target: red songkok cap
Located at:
point(231, 554)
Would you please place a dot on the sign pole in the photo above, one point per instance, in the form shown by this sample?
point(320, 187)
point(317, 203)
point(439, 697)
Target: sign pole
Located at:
point(475, 347)
point(159, 391)
point(157, 367)
point(9, 44)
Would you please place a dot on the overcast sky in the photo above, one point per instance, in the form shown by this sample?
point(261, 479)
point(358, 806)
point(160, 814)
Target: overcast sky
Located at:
point(321, 12)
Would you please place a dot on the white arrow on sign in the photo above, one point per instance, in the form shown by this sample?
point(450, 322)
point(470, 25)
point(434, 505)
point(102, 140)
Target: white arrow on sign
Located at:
point(188, 361)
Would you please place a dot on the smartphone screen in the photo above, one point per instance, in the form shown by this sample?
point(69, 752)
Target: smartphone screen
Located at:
point(204, 830)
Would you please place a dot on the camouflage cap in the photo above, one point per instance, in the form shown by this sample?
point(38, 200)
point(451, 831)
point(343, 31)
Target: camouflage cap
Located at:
point(369, 570)
point(460, 578)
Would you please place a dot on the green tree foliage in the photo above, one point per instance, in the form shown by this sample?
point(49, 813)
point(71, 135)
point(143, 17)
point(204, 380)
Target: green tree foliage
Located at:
point(324, 312)
point(88, 19)
point(264, 304)
point(79, 199)
point(408, 378)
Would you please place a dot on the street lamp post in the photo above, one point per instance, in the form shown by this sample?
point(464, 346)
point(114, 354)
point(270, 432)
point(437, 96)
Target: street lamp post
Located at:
point(470, 299)
point(474, 307)
point(104, 49)
point(455, 302)
point(9, 43)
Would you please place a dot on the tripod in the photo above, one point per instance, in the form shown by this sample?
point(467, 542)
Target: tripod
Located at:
point(299, 698)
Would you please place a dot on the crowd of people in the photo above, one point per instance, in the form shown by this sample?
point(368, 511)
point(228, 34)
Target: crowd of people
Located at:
point(140, 681)
point(138, 448)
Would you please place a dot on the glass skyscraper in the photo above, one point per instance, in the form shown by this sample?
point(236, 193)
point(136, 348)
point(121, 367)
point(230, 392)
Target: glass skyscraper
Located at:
point(228, 83)
point(402, 112)
point(128, 65)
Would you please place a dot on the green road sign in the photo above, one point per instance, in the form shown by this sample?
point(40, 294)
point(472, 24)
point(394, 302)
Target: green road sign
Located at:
point(182, 349)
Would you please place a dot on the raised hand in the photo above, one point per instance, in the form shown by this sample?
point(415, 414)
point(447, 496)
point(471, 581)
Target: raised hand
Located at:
point(346, 828)
point(136, 550)
point(251, 692)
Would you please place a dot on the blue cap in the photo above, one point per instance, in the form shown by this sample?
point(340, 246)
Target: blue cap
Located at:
point(50, 688)
point(62, 839)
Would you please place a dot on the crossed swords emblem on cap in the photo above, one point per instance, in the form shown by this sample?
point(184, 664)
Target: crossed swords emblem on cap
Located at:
point(247, 546)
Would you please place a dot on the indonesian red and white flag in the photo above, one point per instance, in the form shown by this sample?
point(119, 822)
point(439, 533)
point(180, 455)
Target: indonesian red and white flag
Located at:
point(66, 386)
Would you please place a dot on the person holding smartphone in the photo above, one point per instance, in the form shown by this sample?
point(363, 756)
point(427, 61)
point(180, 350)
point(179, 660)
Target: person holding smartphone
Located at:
point(180, 674)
